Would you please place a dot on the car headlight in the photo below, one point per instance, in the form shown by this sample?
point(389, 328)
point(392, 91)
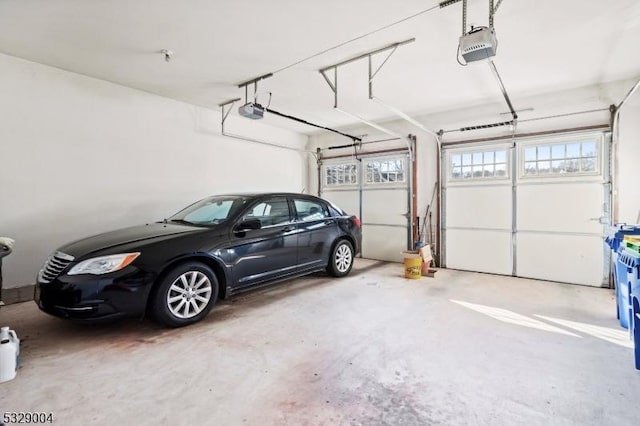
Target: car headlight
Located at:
point(103, 264)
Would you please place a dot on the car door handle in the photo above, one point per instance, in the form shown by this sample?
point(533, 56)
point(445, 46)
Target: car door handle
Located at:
point(289, 228)
point(329, 222)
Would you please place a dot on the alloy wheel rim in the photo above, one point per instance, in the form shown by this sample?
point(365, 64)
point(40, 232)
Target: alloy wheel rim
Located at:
point(189, 294)
point(343, 258)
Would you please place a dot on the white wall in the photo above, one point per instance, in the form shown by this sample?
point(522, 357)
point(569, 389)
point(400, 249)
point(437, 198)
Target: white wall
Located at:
point(80, 156)
point(628, 165)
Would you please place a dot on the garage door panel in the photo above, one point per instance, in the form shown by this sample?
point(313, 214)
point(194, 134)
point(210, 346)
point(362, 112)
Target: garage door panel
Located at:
point(563, 258)
point(385, 207)
point(346, 200)
point(479, 206)
point(383, 242)
point(571, 207)
point(482, 251)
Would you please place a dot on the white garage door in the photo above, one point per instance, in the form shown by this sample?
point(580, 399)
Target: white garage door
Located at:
point(377, 190)
point(478, 196)
point(536, 210)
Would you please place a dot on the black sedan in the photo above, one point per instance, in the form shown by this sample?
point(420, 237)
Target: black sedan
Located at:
point(178, 268)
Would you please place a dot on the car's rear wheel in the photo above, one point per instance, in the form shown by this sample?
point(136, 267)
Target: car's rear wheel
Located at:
point(185, 295)
point(341, 260)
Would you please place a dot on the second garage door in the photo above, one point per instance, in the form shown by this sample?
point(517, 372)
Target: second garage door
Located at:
point(376, 188)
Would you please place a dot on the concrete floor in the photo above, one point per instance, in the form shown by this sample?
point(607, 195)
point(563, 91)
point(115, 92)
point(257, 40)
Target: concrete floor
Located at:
point(370, 349)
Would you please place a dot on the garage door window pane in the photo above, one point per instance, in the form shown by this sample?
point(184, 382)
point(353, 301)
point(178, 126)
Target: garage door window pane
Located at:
point(530, 154)
point(489, 158)
point(530, 168)
point(341, 174)
point(588, 149)
point(385, 171)
point(543, 167)
point(544, 152)
point(588, 165)
point(557, 151)
point(479, 165)
point(487, 170)
point(573, 150)
point(566, 158)
point(558, 167)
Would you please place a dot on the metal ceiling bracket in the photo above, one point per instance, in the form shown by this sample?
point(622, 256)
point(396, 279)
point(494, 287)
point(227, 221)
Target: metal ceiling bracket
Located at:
point(391, 108)
point(464, 11)
point(373, 74)
point(334, 86)
point(491, 12)
point(464, 17)
point(253, 81)
point(447, 3)
point(373, 52)
point(225, 114)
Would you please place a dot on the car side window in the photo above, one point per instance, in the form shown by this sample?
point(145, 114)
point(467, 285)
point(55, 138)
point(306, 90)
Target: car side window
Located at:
point(270, 212)
point(309, 210)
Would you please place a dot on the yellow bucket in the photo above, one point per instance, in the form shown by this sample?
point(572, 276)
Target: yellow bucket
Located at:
point(412, 265)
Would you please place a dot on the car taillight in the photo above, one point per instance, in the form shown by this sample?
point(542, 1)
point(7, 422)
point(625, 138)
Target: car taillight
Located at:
point(356, 221)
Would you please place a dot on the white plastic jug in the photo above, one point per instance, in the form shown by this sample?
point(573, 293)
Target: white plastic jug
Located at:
point(9, 354)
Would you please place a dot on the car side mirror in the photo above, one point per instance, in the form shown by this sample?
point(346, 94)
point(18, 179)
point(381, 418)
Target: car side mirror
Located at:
point(248, 225)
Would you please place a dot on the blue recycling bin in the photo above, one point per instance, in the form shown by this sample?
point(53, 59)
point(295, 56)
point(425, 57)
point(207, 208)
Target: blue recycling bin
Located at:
point(623, 290)
point(623, 293)
point(636, 330)
point(630, 260)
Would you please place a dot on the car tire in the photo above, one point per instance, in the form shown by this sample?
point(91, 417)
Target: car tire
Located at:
point(185, 295)
point(341, 260)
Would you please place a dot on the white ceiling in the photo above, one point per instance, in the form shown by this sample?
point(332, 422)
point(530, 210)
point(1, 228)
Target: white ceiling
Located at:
point(544, 46)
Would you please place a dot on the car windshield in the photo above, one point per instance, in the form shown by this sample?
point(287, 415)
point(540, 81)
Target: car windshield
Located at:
point(210, 211)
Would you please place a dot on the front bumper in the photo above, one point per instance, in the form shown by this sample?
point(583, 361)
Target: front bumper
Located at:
point(92, 297)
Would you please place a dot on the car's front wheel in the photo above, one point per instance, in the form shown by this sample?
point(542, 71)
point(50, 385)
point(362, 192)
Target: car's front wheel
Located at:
point(185, 295)
point(341, 260)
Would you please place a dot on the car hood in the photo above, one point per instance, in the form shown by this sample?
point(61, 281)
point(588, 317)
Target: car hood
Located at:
point(123, 236)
